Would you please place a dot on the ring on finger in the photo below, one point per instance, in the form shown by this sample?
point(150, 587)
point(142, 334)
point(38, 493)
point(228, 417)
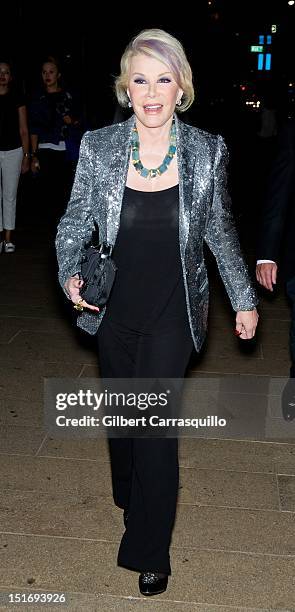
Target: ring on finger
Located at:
point(79, 306)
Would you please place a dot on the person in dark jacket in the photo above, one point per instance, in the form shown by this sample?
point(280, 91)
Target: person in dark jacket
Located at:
point(55, 139)
point(276, 241)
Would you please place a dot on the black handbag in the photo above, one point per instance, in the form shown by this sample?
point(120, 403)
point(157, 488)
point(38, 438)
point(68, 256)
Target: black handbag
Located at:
point(98, 271)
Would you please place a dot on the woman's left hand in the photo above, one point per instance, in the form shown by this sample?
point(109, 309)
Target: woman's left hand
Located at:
point(246, 323)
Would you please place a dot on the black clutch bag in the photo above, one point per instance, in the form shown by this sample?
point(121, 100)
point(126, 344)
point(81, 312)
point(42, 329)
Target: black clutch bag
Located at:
point(98, 271)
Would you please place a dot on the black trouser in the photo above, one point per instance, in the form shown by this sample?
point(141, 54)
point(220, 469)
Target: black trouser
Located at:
point(290, 286)
point(145, 472)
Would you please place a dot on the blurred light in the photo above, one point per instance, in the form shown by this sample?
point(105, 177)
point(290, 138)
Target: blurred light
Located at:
point(268, 61)
point(290, 84)
point(261, 38)
point(274, 28)
point(256, 48)
point(260, 61)
point(291, 2)
point(253, 104)
point(268, 39)
point(243, 87)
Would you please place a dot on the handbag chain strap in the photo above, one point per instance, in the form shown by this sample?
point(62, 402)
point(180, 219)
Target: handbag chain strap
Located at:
point(104, 248)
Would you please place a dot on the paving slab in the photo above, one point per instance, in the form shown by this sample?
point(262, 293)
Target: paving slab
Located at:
point(97, 518)
point(77, 602)
point(25, 379)
point(203, 577)
point(21, 440)
point(38, 474)
point(54, 347)
point(230, 489)
point(237, 455)
point(286, 486)
point(79, 449)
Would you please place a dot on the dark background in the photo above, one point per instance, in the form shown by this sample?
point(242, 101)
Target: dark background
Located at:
point(89, 39)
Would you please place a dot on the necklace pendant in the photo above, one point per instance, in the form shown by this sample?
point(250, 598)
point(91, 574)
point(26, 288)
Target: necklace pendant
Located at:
point(153, 172)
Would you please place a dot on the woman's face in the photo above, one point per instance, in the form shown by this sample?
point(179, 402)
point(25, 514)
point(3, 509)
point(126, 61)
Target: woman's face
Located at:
point(5, 74)
point(50, 74)
point(153, 90)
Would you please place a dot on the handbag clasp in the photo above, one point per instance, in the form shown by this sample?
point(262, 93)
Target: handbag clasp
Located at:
point(105, 250)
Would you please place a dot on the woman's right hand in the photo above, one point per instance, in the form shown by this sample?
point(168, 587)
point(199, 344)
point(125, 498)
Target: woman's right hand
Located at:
point(72, 287)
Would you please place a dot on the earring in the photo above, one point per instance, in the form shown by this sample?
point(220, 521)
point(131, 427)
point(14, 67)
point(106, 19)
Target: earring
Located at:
point(178, 102)
point(129, 104)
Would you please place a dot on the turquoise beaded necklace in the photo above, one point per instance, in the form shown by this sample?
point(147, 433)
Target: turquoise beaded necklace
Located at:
point(153, 172)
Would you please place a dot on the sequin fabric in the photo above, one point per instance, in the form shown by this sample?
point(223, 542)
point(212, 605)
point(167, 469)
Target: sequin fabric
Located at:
point(149, 578)
point(204, 215)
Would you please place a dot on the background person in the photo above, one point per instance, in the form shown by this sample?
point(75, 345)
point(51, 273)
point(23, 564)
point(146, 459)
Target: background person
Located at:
point(277, 238)
point(14, 152)
point(53, 124)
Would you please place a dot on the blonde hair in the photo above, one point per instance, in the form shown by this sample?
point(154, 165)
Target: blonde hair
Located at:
point(165, 48)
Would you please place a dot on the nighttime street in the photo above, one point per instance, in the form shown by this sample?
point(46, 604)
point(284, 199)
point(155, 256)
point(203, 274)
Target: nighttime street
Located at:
point(62, 527)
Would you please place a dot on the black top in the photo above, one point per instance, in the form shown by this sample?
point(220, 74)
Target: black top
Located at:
point(148, 293)
point(46, 113)
point(9, 121)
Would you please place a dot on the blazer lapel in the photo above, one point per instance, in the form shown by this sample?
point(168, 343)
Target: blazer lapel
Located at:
point(120, 146)
point(186, 159)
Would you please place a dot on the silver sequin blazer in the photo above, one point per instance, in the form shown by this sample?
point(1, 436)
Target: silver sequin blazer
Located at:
point(204, 214)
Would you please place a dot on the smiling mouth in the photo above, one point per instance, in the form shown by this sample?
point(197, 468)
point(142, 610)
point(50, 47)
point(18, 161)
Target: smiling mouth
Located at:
point(153, 107)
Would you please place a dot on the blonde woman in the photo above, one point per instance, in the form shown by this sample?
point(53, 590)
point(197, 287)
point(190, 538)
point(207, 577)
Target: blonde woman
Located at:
point(157, 189)
point(51, 116)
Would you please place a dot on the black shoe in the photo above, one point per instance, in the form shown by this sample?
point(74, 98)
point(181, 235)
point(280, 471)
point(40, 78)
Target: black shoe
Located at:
point(125, 517)
point(152, 583)
point(288, 400)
